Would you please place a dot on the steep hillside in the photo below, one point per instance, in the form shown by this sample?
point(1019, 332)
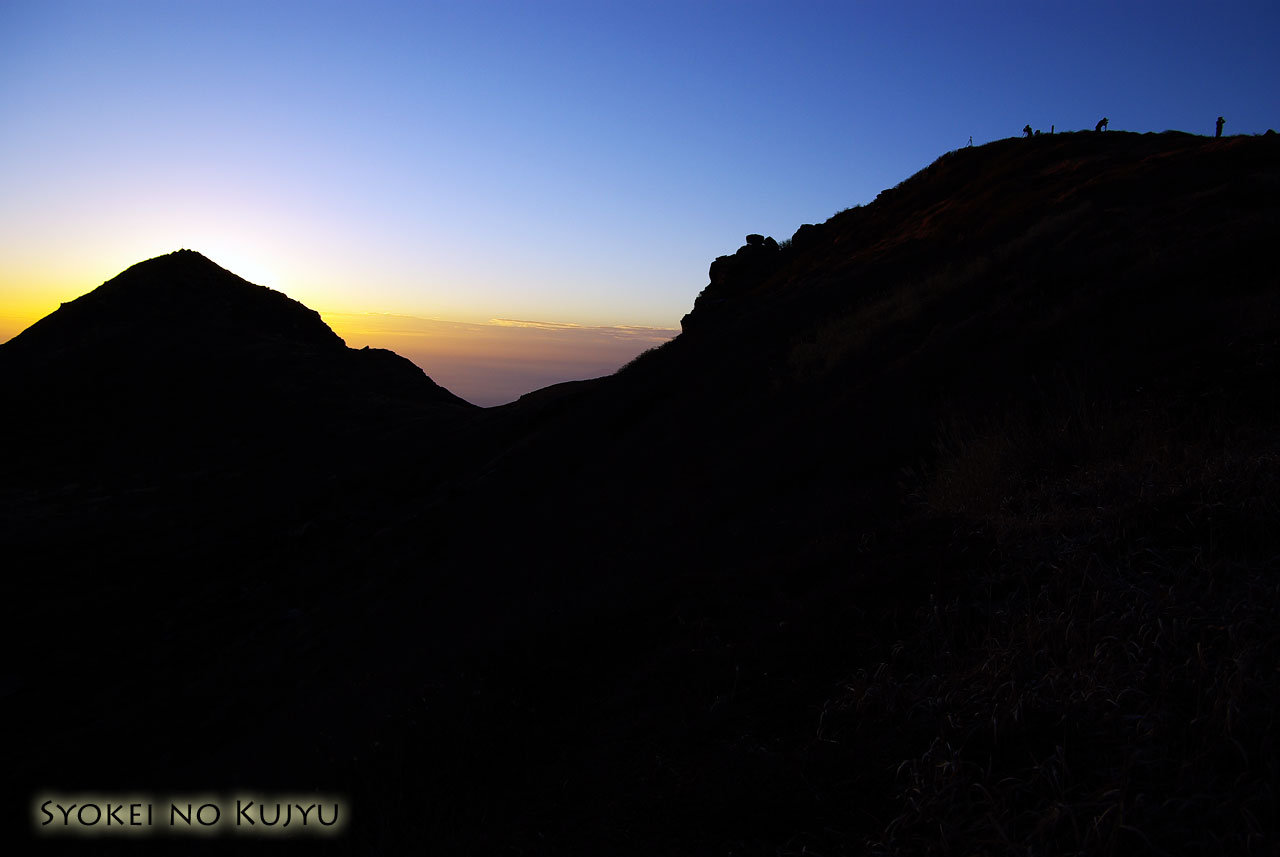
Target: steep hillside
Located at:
point(1034, 283)
point(946, 525)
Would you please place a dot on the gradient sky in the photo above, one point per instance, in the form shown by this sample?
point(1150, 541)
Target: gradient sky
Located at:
point(570, 163)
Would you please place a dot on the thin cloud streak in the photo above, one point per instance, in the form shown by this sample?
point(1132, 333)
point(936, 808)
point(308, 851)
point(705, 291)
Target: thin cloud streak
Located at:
point(618, 331)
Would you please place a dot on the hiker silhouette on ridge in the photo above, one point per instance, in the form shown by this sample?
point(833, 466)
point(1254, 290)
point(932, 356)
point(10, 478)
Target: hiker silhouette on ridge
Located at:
point(1221, 122)
point(1102, 124)
point(1026, 132)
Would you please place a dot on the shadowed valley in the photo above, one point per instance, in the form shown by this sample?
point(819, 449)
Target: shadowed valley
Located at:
point(947, 523)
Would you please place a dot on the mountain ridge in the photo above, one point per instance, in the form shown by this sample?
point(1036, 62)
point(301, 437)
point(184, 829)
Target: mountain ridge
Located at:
point(886, 552)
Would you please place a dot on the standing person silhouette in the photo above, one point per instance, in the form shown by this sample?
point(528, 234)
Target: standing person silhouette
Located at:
point(1102, 124)
point(1221, 122)
point(1026, 132)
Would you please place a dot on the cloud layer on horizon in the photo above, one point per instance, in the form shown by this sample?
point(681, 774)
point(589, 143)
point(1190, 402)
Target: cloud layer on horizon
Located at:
point(499, 361)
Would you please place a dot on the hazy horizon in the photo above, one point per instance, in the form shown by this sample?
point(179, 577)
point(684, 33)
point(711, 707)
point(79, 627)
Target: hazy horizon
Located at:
point(488, 363)
point(497, 361)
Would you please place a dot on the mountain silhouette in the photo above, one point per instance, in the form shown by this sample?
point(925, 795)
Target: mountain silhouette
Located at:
point(945, 524)
point(181, 314)
point(178, 356)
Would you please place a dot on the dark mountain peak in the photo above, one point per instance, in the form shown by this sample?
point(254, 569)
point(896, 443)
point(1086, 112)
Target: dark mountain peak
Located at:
point(184, 261)
point(178, 296)
point(177, 353)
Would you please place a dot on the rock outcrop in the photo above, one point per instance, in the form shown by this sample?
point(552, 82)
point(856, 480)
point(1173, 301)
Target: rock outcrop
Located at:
point(734, 275)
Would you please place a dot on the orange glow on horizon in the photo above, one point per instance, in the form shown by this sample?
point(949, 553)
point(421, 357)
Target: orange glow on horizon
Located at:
point(22, 305)
point(488, 363)
point(486, 360)
point(499, 361)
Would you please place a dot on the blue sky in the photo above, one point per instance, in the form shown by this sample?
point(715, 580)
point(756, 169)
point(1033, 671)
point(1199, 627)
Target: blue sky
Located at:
point(567, 162)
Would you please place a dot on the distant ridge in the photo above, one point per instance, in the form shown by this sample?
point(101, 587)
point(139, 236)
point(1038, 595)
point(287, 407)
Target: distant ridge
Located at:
point(176, 352)
point(180, 292)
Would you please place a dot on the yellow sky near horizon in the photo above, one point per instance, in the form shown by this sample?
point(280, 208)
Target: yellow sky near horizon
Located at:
point(11, 324)
point(487, 363)
point(485, 360)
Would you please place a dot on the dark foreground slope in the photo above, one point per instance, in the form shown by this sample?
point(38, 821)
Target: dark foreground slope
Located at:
point(945, 526)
